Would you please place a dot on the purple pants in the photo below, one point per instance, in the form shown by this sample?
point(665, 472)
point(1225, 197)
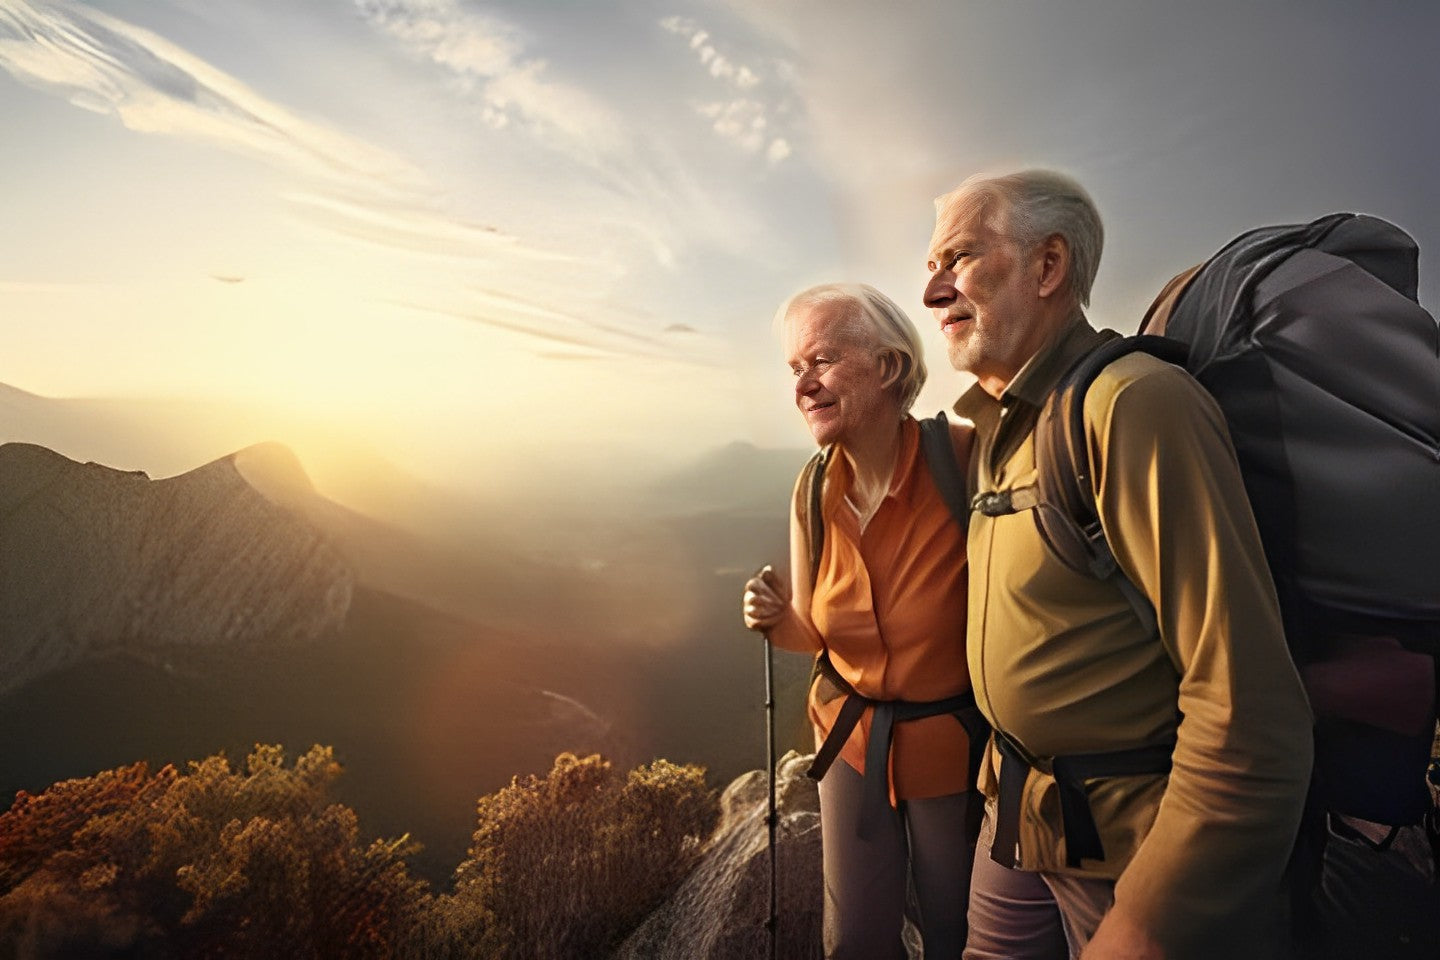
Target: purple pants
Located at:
point(922, 843)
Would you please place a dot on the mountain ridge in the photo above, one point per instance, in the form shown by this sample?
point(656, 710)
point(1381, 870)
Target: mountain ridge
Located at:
point(96, 560)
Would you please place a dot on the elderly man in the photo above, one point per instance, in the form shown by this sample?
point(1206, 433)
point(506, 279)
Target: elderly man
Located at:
point(1194, 737)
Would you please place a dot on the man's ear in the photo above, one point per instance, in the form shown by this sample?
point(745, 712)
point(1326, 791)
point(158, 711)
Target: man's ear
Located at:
point(1054, 259)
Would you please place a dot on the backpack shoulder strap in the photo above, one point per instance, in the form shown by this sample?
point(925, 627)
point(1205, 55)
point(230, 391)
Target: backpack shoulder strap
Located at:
point(1067, 515)
point(808, 490)
point(939, 452)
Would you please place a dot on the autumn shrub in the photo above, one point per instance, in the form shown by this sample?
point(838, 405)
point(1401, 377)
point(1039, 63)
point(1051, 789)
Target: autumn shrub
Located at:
point(210, 863)
point(561, 867)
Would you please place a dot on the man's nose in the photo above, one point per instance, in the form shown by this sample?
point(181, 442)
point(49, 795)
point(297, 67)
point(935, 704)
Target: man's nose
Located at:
point(806, 384)
point(940, 291)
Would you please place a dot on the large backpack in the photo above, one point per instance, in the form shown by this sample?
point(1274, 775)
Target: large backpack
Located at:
point(1312, 342)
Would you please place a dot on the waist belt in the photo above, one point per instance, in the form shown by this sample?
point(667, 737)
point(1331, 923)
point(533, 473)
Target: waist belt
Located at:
point(1082, 838)
point(875, 798)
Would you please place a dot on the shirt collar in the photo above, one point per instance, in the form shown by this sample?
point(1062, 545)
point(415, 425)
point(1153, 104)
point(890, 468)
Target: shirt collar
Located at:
point(1043, 371)
point(1039, 375)
point(906, 458)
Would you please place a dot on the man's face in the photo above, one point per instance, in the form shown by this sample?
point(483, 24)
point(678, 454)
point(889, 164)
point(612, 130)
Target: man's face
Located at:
point(983, 290)
point(839, 386)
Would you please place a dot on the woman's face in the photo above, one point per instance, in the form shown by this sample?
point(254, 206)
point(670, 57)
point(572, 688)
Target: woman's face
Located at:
point(839, 385)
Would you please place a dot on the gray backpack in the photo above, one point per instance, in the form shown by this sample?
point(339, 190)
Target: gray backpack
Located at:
point(1312, 342)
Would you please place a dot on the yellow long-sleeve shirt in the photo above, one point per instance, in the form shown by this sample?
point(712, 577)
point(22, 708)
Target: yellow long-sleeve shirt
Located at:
point(1060, 663)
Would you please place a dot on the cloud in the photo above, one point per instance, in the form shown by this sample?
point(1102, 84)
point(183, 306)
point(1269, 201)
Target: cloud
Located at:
point(747, 120)
point(717, 64)
point(488, 55)
point(408, 226)
point(342, 184)
point(150, 85)
point(549, 327)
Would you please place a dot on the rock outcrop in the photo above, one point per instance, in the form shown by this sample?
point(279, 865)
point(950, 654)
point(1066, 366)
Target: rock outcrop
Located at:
point(719, 912)
point(95, 561)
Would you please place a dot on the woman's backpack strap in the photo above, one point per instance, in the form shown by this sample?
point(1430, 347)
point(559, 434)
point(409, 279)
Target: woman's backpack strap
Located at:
point(808, 491)
point(939, 452)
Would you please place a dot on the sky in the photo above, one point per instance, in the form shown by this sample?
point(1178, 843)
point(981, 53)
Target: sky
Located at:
point(475, 237)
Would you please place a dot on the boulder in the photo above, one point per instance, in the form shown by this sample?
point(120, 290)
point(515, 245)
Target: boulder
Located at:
point(719, 911)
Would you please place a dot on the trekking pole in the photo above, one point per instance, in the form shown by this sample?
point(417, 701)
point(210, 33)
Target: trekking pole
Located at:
point(771, 819)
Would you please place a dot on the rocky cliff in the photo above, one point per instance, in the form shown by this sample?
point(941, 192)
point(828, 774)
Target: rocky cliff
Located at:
point(96, 561)
point(720, 910)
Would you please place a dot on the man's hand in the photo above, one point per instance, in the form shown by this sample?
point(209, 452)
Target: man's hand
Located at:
point(765, 600)
point(1120, 938)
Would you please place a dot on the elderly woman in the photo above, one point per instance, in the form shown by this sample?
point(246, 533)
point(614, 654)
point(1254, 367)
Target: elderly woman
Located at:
point(882, 606)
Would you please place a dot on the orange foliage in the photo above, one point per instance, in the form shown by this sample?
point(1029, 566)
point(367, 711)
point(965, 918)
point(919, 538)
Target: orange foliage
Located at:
point(215, 864)
point(210, 863)
point(563, 866)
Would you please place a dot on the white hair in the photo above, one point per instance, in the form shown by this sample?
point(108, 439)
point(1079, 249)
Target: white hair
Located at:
point(1029, 206)
point(873, 320)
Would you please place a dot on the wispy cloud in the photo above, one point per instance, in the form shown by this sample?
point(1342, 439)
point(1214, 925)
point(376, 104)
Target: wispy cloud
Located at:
point(641, 195)
point(340, 183)
point(488, 56)
point(411, 227)
point(549, 328)
point(747, 117)
point(150, 85)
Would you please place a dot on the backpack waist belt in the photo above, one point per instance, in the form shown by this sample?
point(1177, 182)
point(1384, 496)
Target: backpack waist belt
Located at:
point(1082, 837)
point(876, 790)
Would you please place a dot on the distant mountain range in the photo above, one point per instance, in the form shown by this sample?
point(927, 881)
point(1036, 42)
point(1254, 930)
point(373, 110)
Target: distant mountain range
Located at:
point(233, 603)
point(166, 619)
point(738, 478)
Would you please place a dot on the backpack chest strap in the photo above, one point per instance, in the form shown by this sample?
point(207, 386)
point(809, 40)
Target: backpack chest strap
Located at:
point(1000, 503)
point(1099, 559)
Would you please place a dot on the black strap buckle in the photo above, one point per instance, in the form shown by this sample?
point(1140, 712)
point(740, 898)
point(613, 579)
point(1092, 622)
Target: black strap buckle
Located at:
point(997, 503)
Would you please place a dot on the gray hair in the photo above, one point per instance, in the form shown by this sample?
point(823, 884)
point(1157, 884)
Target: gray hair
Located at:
point(873, 321)
point(1031, 205)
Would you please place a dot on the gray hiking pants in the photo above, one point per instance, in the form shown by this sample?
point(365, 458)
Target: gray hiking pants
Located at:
point(1023, 915)
point(1014, 914)
point(922, 842)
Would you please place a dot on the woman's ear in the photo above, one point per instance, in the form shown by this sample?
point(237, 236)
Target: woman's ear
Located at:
point(893, 368)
